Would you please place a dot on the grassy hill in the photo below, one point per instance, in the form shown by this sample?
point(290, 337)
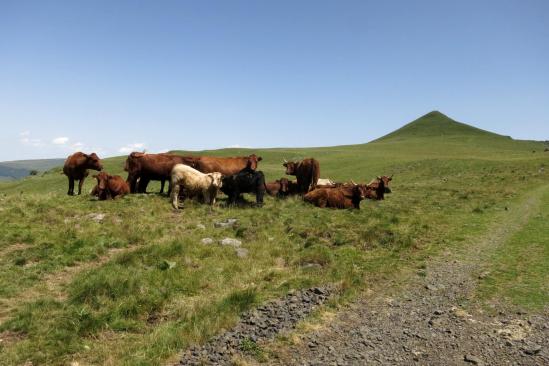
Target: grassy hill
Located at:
point(21, 168)
point(87, 281)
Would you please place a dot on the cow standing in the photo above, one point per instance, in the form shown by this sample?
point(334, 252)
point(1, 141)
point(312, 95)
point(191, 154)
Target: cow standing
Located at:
point(307, 172)
point(245, 181)
point(226, 166)
point(147, 167)
point(76, 168)
point(109, 186)
point(194, 183)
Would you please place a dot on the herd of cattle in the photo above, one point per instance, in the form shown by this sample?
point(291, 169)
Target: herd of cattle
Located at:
point(202, 177)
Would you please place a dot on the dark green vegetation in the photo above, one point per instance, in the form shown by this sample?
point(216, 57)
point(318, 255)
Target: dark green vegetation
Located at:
point(22, 168)
point(136, 286)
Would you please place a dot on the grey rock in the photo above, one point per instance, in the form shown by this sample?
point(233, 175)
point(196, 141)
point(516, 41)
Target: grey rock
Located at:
point(241, 252)
point(231, 242)
point(531, 349)
point(206, 241)
point(472, 359)
point(226, 223)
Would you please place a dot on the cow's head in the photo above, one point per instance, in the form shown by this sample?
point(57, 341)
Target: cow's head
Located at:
point(93, 162)
point(290, 167)
point(386, 181)
point(360, 191)
point(284, 185)
point(102, 184)
point(216, 179)
point(252, 161)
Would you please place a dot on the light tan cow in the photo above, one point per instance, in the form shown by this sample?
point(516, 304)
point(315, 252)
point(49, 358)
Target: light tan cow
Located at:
point(194, 183)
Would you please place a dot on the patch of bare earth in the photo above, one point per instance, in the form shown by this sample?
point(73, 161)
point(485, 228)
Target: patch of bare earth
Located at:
point(427, 321)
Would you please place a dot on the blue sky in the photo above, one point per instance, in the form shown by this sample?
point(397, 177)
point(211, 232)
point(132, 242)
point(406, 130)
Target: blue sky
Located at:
point(115, 76)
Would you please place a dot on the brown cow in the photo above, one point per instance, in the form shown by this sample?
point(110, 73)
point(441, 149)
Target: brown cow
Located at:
point(76, 168)
point(226, 166)
point(341, 197)
point(307, 172)
point(282, 187)
point(147, 167)
point(109, 186)
point(386, 180)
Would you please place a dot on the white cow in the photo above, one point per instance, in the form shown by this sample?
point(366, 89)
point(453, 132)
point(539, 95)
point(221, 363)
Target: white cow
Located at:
point(194, 183)
point(325, 182)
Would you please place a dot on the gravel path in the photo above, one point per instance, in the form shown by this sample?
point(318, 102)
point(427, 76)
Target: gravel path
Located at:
point(258, 325)
point(426, 324)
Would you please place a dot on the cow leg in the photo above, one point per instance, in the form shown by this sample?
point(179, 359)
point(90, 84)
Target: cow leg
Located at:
point(206, 196)
point(162, 186)
point(175, 196)
point(169, 187)
point(259, 196)
point(142, 185)
point(132, 182)
point(71, 187)
point(80, 184)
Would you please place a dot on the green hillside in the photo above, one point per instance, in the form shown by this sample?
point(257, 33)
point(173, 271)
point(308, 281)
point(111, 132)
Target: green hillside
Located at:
point(435, 124)
point(136, 286)
point(21, 168)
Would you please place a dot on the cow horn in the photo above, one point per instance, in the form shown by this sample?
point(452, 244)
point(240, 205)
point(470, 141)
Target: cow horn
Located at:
point(285, 160)
point(352, 181)
point(378, 177)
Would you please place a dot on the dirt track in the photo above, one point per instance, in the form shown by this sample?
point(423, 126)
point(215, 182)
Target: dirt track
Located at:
point(426, 324)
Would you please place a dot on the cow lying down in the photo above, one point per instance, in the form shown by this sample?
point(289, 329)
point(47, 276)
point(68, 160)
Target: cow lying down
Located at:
point(109, 186)
point(282, 187)
point(344, 196)
point(194, 183)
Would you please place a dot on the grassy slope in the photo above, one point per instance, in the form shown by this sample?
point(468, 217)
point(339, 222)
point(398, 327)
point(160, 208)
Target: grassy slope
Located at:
point(101, 293)
point(519, 271)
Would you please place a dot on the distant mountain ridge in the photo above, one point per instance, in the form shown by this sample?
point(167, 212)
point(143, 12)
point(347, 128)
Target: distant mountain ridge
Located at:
point(21, 168)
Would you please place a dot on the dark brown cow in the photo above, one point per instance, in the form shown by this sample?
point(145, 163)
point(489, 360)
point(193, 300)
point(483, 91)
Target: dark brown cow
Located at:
point(226, 166)
point(147, 167)
point(282, 187)
point(76, 168)
point(386, 180)
point(109, 186)
point(341, 197)
point(307, 172)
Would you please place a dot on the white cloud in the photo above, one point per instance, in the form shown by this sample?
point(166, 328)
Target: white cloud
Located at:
point(31, 142)
point(24, 133)
point(131, 147)
point(60, 140)
point(237, 146)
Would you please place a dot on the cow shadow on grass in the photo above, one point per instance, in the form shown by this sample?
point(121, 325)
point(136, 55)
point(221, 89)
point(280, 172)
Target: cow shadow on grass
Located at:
point(241, 202)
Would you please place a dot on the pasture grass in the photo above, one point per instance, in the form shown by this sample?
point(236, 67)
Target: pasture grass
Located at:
point(519, 272)
point(137, 287)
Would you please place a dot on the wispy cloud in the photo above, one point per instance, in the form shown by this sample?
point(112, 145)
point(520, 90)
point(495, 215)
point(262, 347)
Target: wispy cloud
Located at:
point(60, 140)
point(131, 147)
point(27, 140)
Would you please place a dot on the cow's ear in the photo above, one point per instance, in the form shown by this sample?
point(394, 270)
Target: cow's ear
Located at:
point(259, 158)
point(94, 176)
